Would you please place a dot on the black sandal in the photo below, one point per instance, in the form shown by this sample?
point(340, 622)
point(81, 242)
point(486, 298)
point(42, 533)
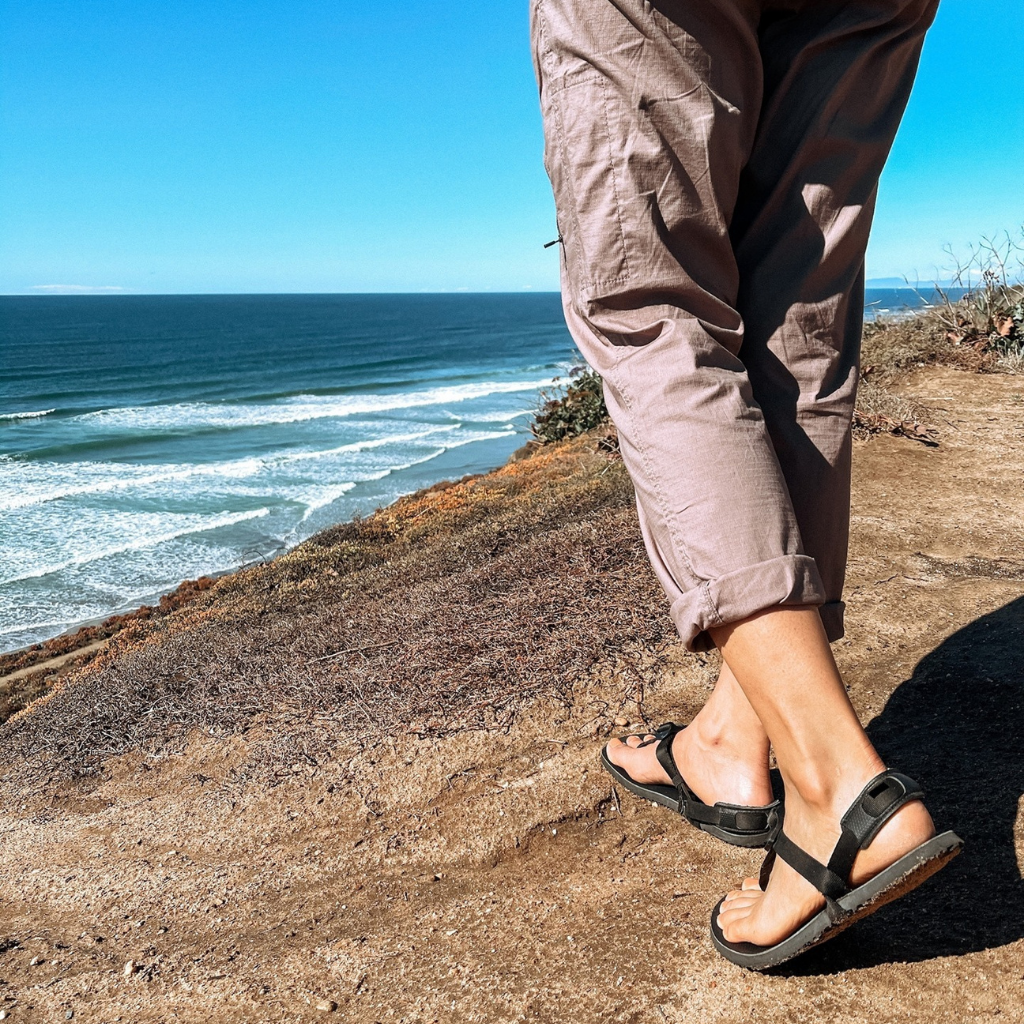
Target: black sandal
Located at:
point(880, 799)
point(732, 823)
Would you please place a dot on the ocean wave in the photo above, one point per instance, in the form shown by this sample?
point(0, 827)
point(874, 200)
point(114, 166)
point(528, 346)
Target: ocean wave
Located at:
point(315, 502)
point(312, 497)
point(198, 415)
point(497, 416)
point(197, 525)
point(115, 476)
point(25, 415)
point(25, 627)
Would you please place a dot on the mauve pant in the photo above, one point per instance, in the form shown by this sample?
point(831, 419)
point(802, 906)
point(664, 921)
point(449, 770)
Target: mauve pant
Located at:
point(714, 164)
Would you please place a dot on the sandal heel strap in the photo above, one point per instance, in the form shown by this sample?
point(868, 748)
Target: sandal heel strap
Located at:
point(746, 819)
point(878, 801)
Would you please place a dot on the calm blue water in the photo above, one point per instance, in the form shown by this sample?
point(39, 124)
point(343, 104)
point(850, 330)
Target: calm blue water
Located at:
point(148, 439)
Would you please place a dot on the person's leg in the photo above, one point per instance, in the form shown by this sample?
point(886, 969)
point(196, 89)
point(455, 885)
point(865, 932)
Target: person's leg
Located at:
point(650, 112)
point(838, 76)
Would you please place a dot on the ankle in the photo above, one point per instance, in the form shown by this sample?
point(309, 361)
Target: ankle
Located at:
point(827, 790)
point(717, 732)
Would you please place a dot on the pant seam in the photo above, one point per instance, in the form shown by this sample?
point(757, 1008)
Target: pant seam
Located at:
point(709, 603)
point(659, 495)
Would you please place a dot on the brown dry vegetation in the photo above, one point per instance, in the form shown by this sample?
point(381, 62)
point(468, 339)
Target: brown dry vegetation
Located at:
point(26, 674)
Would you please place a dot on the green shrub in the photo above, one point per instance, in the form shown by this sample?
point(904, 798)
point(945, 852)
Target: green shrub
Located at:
point(572, 408)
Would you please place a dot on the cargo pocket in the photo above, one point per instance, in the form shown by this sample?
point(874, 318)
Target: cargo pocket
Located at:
point(581, 163)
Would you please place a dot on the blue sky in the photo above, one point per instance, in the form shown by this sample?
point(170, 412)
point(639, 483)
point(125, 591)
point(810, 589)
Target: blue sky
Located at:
point(328, 145)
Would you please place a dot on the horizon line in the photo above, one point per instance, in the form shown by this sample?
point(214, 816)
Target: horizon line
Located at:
point(111, 292)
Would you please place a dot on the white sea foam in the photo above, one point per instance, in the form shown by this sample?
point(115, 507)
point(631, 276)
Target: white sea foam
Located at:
point(324, 497)
point(298, 409)
point(25, 627)
point(34, 483)
point(194, 524)
point(25, 415)
point(497, 416)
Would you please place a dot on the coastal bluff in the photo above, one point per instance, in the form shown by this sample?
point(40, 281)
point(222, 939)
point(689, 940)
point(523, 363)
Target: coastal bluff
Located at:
point(361, 781)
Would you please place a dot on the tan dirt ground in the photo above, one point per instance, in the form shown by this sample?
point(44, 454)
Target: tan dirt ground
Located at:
point(495, 876)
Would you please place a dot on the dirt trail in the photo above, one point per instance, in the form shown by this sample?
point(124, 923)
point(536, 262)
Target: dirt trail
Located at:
point(52, 664)
point(495, 877)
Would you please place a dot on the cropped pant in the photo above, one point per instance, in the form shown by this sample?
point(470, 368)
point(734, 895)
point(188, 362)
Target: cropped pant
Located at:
point(714, 165)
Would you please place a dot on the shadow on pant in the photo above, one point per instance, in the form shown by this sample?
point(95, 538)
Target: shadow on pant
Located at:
point(957, 726)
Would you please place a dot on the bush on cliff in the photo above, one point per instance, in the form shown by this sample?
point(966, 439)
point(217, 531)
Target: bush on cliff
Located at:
point(572, 409)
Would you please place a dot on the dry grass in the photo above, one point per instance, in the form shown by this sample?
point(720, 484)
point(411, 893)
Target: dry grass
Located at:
point(17, 694)
point(982, 330)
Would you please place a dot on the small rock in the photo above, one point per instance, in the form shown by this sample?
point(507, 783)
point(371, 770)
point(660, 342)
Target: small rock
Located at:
point(327, 1006)
point(4, 1015)
point(69, 1015)
point(620, 722)
point(130, 968)
point(36, 961)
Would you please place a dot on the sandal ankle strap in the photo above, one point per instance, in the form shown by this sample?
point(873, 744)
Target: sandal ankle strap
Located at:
point(721, 815)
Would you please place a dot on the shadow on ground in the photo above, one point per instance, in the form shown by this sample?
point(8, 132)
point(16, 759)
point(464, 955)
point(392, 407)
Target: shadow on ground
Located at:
point(957, 726)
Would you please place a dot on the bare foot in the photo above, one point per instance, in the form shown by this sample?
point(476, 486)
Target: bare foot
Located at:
point(722, 754)
point(766, 917)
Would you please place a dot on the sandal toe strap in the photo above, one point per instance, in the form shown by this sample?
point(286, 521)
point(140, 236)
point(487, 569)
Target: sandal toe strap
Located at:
point(826, 881)
point(666, 729)
point(666, 734)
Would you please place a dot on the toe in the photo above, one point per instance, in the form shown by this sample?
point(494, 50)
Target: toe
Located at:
point(635, 741)
point(752, 883)
point(727, 920)
point(734, 921)
point(738, 901)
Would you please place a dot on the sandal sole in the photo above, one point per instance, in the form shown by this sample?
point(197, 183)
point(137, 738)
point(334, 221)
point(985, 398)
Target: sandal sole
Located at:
point(905, 875)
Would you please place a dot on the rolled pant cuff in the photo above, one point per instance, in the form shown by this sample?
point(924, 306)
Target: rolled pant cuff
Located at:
point(789, 580)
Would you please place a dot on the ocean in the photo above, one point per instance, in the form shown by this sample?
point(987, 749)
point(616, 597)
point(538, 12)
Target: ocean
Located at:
point(149, 439)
